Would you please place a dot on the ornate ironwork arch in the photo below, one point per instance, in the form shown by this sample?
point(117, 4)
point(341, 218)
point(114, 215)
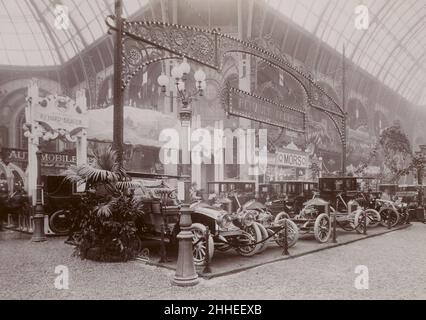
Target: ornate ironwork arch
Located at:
point(146, 42)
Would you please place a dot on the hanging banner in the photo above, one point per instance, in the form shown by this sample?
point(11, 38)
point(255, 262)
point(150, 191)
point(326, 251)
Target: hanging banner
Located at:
point(249, 106)
point(60, 113)
point(48, 159)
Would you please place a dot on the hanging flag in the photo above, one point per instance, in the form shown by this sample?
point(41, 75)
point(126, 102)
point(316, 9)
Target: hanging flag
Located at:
point(145, 78)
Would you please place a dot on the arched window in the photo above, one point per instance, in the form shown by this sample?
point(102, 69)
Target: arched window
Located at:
point(21, 140)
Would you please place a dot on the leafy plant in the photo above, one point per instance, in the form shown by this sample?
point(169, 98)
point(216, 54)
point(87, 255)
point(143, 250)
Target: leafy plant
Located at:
point(107, 228)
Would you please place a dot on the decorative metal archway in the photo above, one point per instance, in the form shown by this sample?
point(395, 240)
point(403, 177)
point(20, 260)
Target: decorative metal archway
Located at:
point(141, 43)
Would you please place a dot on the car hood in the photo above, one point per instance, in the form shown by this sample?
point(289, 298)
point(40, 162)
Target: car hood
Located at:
point(253, 205)
point(212, 212)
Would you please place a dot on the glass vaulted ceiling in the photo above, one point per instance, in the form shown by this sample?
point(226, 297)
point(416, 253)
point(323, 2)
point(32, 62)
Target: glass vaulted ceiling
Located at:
point(28, 36)
point(392, 49)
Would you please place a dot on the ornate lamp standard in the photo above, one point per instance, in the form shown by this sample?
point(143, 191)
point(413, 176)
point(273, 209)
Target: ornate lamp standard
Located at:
point(186, 274)
point(34, 133)
point(179, 75)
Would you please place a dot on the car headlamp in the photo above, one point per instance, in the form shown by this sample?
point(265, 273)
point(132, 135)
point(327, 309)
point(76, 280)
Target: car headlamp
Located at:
point(248, 219)
point(225, 221)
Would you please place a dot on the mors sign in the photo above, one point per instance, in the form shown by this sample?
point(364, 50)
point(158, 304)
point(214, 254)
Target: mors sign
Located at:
point(292, 158)
point(246, 105)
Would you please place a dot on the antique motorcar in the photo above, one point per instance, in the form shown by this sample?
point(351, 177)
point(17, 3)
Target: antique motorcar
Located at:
point(60, 198)
point(287, 196)
point(334, 200)
point(271, 228)
point(237, 231)
point(226, 231)
point(245, 189)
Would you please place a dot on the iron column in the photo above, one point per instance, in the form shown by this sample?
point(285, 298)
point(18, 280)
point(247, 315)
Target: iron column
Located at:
point(38, 234)
point(118, 91)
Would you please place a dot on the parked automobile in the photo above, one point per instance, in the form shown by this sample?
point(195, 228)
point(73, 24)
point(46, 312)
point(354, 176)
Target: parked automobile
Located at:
point(287, 196)
point(269, 226)
point(334, 193)
point(227, 231)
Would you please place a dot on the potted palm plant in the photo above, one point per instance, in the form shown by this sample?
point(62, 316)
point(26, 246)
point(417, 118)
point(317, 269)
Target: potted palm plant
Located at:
point(108, 213)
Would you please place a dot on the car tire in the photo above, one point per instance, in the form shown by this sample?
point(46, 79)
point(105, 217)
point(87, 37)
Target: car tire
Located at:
point(199, 245)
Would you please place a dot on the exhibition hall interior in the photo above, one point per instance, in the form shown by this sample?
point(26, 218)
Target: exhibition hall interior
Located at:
point(201, 143)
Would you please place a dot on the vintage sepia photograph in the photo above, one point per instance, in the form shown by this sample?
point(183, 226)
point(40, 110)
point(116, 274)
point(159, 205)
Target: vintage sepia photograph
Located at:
point(190, 151)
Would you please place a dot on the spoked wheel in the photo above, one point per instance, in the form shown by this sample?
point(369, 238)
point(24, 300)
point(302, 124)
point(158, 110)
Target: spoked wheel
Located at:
point(60, 222)
point(265, 235)
point(250, 236)
point(199, 245)
point(322, 228)
point(387, 214)
point(292, 233)
point(281, 215)
point(360, 221)
point(373, 217)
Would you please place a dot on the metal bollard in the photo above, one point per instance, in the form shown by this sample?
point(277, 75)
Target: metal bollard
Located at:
point(389, 221)
point(185, 275)
point(285, 253)
point(163, 253)
point(334, 228)
point(365, 223)
point(207, 268)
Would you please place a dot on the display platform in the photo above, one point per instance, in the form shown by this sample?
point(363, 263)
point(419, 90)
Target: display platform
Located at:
point(226, 263)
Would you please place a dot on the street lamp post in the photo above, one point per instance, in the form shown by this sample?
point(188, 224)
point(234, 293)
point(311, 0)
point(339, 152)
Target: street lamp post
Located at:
point(179, 76)
point(186, 274)
point(34, 133)
point(38, 219)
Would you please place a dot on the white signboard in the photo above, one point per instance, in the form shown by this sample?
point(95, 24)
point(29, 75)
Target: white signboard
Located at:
point(290, 158)
point(60, 113)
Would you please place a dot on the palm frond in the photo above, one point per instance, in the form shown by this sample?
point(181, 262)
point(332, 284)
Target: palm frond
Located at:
point(104, 210)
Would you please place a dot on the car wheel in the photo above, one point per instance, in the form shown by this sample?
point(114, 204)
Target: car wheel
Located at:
point(322, 228)
point(265, 235)
point(292, 233)
point(251, 236)
point(59, 222)
point(373, 217)
point(199, 244)
point(281, 215)
point(386, 214)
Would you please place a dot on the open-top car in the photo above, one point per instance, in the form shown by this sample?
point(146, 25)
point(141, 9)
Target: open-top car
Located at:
point(227, 231)
point(334, 193)
point(271, 227)
point(237, 231)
